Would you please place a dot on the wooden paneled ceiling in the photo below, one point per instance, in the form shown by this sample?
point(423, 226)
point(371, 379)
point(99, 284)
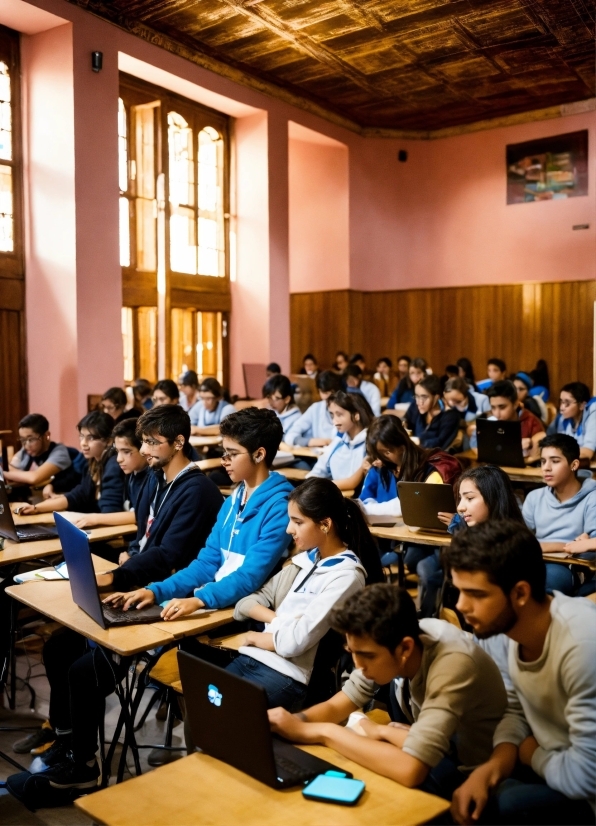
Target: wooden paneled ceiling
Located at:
point(383, 64)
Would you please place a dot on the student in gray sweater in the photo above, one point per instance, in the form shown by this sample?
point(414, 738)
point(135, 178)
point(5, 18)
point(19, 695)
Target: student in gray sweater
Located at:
point(543, 766)
point(562, 511)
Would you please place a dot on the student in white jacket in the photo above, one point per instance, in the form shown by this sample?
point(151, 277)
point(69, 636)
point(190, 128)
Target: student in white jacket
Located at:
point(278, 392)
point(337, 557)
point(343, 459)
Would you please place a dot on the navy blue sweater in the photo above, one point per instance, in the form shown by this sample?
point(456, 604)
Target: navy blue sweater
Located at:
point(83, 498)
point(185, 514)
point(439, 433)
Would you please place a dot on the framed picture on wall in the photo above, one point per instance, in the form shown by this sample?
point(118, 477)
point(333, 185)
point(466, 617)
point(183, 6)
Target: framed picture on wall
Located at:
point(548, 169)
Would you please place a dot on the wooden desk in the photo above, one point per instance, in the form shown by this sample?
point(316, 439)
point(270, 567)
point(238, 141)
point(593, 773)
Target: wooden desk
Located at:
point(401, 533)
point(205, 441)
point(202, 789)
point(516, 474)
point(24, 551)
point(292, 473)
point(305, 452)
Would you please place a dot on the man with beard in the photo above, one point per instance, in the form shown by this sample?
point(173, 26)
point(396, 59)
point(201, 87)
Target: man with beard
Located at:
point(543, 766)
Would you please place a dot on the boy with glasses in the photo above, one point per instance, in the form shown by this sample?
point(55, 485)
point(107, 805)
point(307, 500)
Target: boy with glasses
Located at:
point(577, 418)
point(207, 414)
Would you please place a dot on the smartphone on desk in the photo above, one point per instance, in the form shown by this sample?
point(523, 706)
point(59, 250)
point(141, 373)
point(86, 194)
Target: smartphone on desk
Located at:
point(334, 788)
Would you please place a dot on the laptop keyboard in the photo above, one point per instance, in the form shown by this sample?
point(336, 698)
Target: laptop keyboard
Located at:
point(292, 770)
point(32, 536)
point(114, 615)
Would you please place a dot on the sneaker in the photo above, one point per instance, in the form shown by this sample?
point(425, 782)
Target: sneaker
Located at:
point(56, 754)
point(71, 775)
point(38, 738)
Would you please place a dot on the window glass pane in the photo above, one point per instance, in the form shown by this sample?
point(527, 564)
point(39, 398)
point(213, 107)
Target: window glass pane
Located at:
point(6, 217)
point(181, 160)
point(209, 346)
point(183, 249)
point(146, 235)
point(122, 147)
point(211, 216)
point(147, 343)
point(5, 114)
point(124, 232)
point(145, 150)
point(183, 338)
point(128, 344)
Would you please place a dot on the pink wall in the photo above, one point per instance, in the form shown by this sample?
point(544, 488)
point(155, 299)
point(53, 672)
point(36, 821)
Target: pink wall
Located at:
point(441, 219)
point(319, 215)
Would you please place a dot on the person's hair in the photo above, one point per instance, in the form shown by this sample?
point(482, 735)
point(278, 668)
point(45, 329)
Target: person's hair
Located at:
point(35, 422)
point(99, 424)
point(116, 395)
point(189, 379)
point(579, 391)
point(253, 428)
point(383, 612)
point(568, 446)
point(167, 420)
point(466, 366)
point(328, 381)
point(431, 383)
point(309, 357)
point(273, 367)
point(524, 378)
point(505, 388)
point(387, 361)
point(353, 403)
point(419, 364)
point(127, 429)
point(280, 384)
point(168, 387)
point(320, 499)
point(495, 488)
point(389, 431)
point(342, 353)
point(498, 363)
point(211, 385)
point(452, 369)
point(353, 371)
point(505, 550)
point(457, 383)
point(142, 388)
point(404, 358)
point(356, 357)
point(540, 374)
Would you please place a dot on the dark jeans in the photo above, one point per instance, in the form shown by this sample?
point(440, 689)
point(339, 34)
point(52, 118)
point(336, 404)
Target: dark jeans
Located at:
point(567, 580)
point(430, 572)
point(525, 798)
point(414, 554)
point(281, 689)
point(80, 679)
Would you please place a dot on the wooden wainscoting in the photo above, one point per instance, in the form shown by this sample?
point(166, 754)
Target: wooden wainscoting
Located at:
point(517, 322)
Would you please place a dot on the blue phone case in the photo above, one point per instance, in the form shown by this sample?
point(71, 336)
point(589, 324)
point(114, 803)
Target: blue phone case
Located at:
point(330, 788)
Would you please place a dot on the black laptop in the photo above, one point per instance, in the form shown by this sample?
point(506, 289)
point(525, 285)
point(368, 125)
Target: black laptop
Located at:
point(83, 584)
point(500, 443)
point(420, 504)
point(22, 533)
point(228, 720)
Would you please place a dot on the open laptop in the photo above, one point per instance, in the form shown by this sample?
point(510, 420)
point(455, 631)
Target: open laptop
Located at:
point(83, 584)
point(22, 533)
point(228, 720)
point(500, 443)
point(420, 504)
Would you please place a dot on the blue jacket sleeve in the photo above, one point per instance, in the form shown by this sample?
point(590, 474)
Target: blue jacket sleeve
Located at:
point(393, 399)
point(82, 498)
point(112, 488)
point(371, 485)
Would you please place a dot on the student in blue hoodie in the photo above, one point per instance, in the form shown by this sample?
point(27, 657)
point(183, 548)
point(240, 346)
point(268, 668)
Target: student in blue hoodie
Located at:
point(577, 418)
point(562, 511)
point(249, 537)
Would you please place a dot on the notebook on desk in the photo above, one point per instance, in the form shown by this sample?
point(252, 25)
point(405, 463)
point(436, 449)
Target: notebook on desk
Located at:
point(499, 443)
point(22, 533)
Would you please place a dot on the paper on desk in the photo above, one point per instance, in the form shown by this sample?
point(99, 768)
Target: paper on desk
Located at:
point(58, 572)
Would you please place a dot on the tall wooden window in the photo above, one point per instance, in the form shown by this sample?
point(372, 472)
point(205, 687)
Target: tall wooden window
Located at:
point(173, 172)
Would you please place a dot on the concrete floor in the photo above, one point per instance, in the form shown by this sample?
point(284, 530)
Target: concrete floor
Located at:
point(30, 666)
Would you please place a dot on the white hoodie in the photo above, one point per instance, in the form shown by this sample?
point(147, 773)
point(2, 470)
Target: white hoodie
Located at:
point(309, 588)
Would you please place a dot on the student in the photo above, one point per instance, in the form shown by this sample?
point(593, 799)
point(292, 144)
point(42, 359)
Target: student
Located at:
point(188, 385)
point(337, 555)
point(543, 766)
point(142, 392)
point(341, 361)
point(360, 361)
point(315, 427)
point(403, 367)
point(428, 418)
point(114, 401)
point(404, 392)
point(135, 468)
point(207, 414)
point(39, 460)
point(355, 384)
point(446, 695)
point(165, 392)
point(101, 489)
point(577, 418)
point(272, 369)
point(310, 366)
point(563, 510)
point(466, 372)
point(343, 458)
point(278, 391)
point(459, 396)
point(523, 384)
point(497, 372)
point(505, 407)
point(176, 511)
point(384, 376)
point(249, 537)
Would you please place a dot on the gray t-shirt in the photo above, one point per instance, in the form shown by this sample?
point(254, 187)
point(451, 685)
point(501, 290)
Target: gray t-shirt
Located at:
point(57, 455)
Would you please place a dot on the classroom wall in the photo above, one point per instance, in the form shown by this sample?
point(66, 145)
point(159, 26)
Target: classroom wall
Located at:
point(519, 323)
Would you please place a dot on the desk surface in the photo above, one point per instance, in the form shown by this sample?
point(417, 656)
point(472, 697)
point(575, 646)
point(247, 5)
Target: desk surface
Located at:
point(204, 441)
point(54, 600)
point(24, 551)
point(299, 450)
point(292, 473)
point(401, 533)
point(200, 788)
point(516, 474)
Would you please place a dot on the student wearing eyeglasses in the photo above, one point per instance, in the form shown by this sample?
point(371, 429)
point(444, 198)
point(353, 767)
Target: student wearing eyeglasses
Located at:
point(210, 410)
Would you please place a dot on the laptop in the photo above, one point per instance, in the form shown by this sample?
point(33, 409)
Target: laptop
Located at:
point(83, 584)
point(228, 720)
point(500, 443)
point(420, 504)
point(22, 533)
